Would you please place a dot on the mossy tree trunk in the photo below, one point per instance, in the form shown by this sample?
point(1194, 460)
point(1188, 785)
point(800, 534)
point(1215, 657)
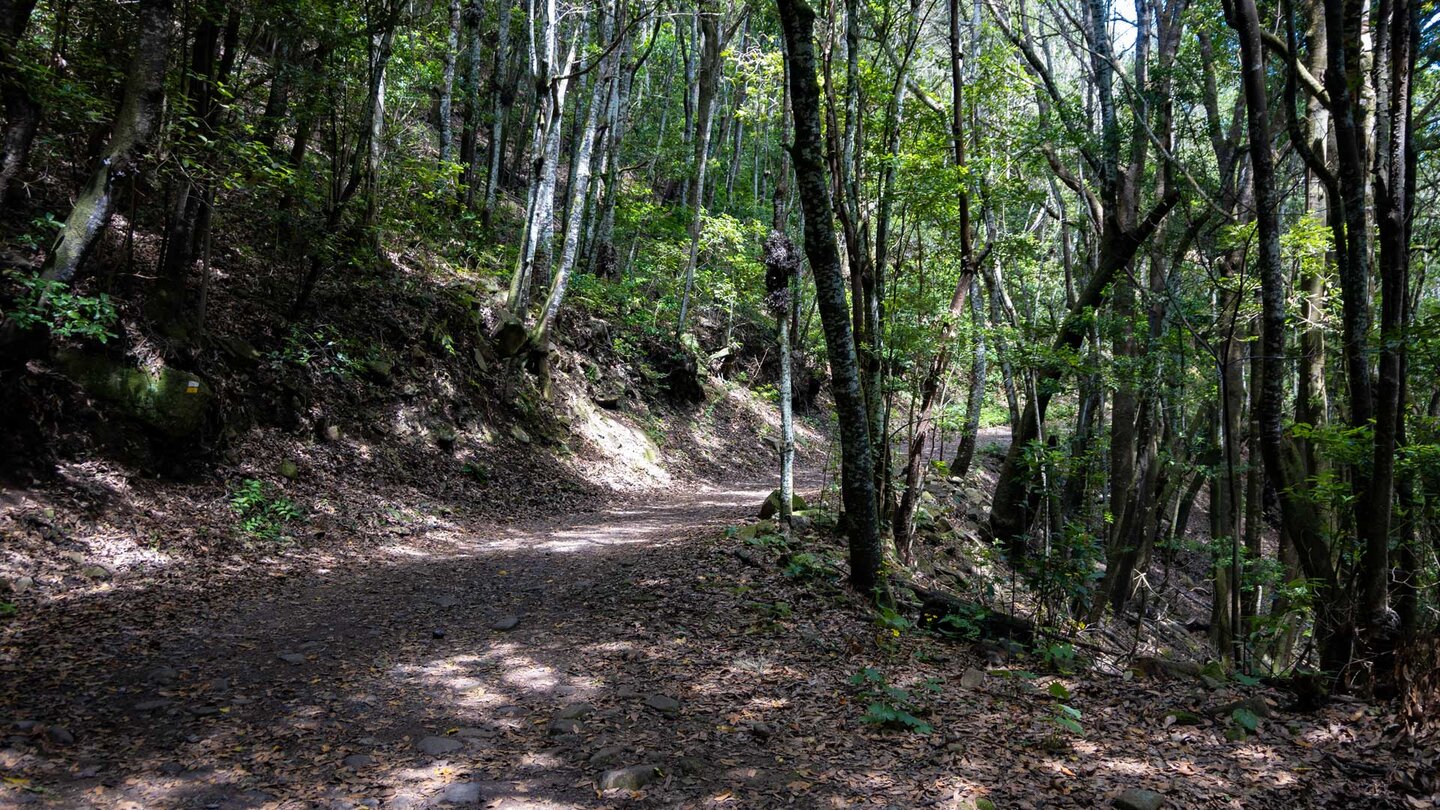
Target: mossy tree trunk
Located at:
point(135, 125)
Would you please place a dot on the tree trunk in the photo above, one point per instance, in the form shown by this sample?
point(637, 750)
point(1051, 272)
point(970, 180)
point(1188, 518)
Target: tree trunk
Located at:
point(1333, 631)
point(857, 465)
point(502, 99)
point(445, 129)
point(579, 191)
point(135, 124)
point(22, 112)
point(709, 47)
point(975, 401)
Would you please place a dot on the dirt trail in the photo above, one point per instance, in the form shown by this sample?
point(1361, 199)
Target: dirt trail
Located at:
point(467, 665)
point(258, 693)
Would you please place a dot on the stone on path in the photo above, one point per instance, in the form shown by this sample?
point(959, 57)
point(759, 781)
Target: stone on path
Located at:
point(560, 727)
point(506, 623)
point(634, 777)
point(436, 746)
point(60, 735)
point(1139, 799)
point(663, 703)
point(292, 658)
point(575, 711)
point(358, 761)
point(95, 572)
point(151, 705)
point(162, 675)
point(462, 793)
point(446, 600)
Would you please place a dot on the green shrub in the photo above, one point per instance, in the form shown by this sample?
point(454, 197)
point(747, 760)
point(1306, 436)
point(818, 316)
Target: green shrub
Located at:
point(262, 515)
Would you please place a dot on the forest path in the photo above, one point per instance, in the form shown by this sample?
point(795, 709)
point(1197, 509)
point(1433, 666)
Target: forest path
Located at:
point(492, 666)
point(525, 667)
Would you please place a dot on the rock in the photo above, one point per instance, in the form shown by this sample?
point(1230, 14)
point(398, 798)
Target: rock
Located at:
point(204, 711)
point(292, 658)
point(436, 746)
point(168, 400)
point(754, 530)
point(289, 469)
point(239, 349)
point(1254, 704)
point(462, 793)
point(801, 523)
point(331, 433)
point(972, 678)
point(60, 735)
point(20, 585)
point(95, 572)
point(1180, 717)
point(1139, 799)
point(25, 725)
point(470, 732)
point(506, 623)
point(559, 727)
point(151, 705)
point(634, 777)
point(771, 507)
point(162, 675)
point(438, 633)
point(358, 761)
point(663, 703)
point(518, 434)
point(575, 711)
point(607, 756)
point(379, 369)
point(447, 601)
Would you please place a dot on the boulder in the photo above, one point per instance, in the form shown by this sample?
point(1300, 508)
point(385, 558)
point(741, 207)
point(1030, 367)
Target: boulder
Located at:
point(168, 400)
point(771, 507)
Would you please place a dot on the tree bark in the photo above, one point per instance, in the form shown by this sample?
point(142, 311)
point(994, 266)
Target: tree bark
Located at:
point(446, 127)
point(22, 111)
point(857, 464)
point(135, 125)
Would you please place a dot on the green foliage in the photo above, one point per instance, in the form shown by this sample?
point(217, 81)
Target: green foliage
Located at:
point(263, 515)
point(1063, 715)
point(39, 303)
point(967, 624)
point(805, 565)
point(1058, 656)
point(891, 706)
point(322, 349)
point(8, 610)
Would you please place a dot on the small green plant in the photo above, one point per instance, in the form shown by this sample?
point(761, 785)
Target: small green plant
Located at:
point(967, 623)
point(889, 705)
point(42, 231)
point(39, 302)
point(1063, 714)
point(476, 471)
point(262, 515)
point(1243, 723)
point(1058, 656)
point(7, 610)
point(804, 565)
